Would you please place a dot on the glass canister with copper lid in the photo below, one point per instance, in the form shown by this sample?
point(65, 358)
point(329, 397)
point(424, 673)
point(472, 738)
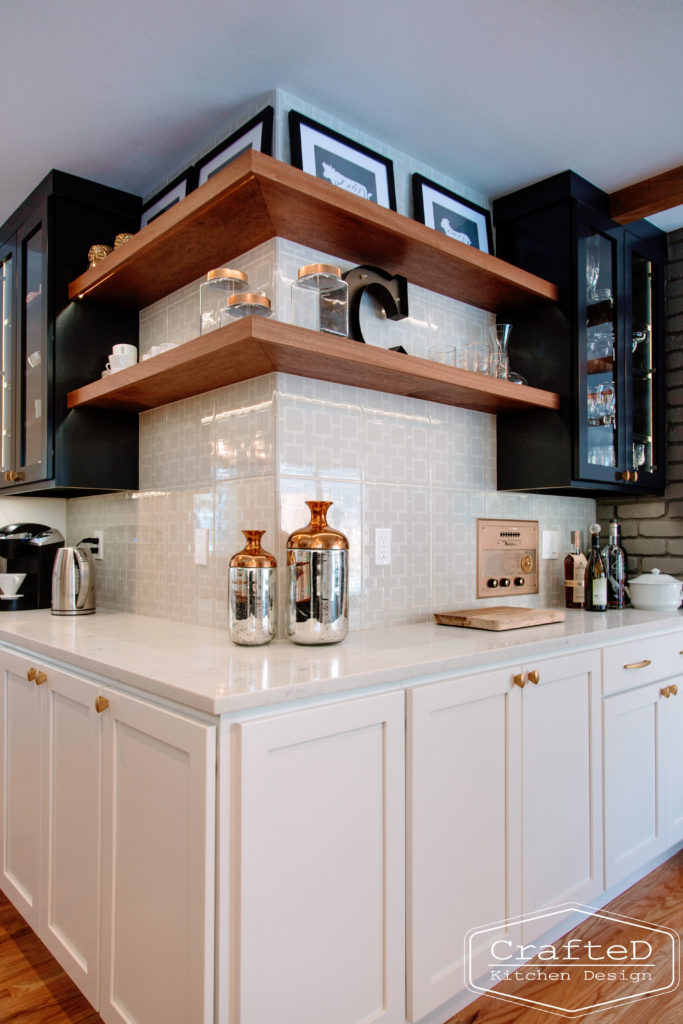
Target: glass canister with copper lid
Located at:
point(320, 299)
point(318, 572)
point(214, 293)
point(252, 593)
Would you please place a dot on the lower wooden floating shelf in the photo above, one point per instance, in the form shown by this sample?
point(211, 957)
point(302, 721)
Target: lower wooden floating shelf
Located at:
point(252, 347)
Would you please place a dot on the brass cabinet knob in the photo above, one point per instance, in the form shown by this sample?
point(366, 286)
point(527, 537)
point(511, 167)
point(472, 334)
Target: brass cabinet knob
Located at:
point(519, 679)
point(629, 476)
point(673, 689)
point(40, 678)
point(31, 675)
point(534, 676)
point(101, 704)
point(13, 475)
point(665, 691)
point(639, 664)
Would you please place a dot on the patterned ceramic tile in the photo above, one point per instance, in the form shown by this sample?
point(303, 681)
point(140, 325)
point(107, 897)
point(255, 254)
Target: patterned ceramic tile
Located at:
point(396, 439)
point(319, 428)
point(400, 592)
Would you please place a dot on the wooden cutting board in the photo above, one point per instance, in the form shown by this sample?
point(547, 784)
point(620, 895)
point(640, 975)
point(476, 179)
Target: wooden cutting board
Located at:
point(500, 617)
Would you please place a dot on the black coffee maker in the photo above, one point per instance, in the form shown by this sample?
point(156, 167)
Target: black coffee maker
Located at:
point(29, 548)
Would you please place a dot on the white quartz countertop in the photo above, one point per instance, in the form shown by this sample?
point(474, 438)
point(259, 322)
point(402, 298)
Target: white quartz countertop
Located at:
point(202, 669)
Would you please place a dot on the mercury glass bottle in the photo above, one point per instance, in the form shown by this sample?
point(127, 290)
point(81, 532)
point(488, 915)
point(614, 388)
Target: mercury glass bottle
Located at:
point(214, 293)
point(252, 593)
point(317, 568)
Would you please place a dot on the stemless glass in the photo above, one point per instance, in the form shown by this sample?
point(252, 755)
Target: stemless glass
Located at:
point(500, 335)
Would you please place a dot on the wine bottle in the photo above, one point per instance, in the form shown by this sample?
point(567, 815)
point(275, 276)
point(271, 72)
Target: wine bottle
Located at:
point(596, 577)
point(614, 559)
point(574, 574)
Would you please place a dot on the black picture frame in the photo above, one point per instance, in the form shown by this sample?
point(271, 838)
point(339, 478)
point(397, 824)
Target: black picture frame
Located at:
point(167, 197)
point(466, 222)
point(357, 169)
point(255, 134)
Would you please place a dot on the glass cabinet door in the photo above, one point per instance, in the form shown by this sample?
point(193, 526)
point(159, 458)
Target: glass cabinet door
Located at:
point(34, 458)
point(7, 342)
point(644, 441)
point(600, 376)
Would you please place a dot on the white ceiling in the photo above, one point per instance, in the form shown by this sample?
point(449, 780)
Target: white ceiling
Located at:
point(494, 93)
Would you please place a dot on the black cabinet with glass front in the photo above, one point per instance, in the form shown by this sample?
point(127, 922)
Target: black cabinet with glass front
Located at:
point(601, 347)
point(50, 346)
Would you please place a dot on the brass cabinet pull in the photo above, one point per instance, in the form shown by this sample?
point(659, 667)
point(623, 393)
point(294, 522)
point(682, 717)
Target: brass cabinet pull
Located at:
point(101, 704)
point(13, 475)
point(40, 678)
point(673, 689)
point(519, 679)
point(639, 664)
point(533, 676)
point(665, 691)
point(31, 675)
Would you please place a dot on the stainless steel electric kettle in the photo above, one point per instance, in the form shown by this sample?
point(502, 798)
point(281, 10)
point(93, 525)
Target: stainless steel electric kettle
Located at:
point(73, 582)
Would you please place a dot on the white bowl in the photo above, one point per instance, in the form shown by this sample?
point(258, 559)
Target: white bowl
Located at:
point(655, 591)
point(10, 582)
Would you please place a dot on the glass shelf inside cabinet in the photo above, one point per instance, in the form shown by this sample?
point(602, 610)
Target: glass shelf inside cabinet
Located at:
point(601, 371)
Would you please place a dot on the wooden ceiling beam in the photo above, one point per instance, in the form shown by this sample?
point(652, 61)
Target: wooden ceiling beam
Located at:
point(653, 195)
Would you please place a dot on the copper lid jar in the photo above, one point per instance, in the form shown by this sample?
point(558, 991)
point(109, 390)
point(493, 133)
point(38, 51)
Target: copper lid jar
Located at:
point(214, 294)
point(252, 593)
point(320, 299)
point(317, 570)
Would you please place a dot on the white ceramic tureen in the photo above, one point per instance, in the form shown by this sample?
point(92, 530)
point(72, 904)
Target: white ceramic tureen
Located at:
point(655, 591)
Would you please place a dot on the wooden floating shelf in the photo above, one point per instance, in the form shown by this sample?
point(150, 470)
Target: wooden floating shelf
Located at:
point(257, 198)
point(252, 346)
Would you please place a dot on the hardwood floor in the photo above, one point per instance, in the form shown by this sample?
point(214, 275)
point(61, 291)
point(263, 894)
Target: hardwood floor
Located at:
point(656, 899)
point(34, 989)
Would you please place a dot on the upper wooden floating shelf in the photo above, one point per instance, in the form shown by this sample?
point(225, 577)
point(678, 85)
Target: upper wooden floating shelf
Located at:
point(257, 198)
point(253, 346)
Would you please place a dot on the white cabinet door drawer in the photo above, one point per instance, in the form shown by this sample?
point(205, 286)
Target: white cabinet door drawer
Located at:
point(637, 662)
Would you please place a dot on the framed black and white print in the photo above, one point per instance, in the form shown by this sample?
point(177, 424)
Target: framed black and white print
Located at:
point(452, 215)
point(167, 197)
point(255, 134)
point(327, 154)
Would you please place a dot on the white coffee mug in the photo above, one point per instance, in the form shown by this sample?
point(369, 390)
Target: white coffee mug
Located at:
point(117, 362)
point(129, 351)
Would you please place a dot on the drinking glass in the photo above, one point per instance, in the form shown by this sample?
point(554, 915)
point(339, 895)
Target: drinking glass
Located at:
point(500, 335)
point(592, 265)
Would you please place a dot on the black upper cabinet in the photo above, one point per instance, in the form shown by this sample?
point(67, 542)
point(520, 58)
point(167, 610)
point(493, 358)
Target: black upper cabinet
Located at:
point(601, 347)
point(51, 346)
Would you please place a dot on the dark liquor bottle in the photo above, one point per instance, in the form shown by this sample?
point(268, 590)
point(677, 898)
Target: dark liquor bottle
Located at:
point(614, 559)
point(596, 577)
point(575, 574)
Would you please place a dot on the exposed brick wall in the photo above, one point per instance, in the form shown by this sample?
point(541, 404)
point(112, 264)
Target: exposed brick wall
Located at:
point(652, 528)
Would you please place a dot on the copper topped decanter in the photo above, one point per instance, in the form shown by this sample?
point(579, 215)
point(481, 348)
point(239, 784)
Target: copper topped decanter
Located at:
point(252, 590)
point(317, 567)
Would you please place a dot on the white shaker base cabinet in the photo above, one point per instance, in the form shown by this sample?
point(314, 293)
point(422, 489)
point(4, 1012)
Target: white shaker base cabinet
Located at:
point(643, 775)
point(504, 798)
point(107, 838)
point(158, 808)
point(21, 812)
point(561, 786)
point(463, 820)
point(320, 865)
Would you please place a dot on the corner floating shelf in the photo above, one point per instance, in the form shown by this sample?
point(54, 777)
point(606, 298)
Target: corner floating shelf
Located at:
point(253, 346)
point(257, 198)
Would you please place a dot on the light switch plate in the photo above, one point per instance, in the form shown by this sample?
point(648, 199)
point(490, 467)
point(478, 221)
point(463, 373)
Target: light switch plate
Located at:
point(549, 544)
point(201, 545)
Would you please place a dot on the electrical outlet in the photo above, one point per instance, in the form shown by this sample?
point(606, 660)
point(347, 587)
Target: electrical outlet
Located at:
point(383, 547)
point(99, 536)
point(201, 545)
